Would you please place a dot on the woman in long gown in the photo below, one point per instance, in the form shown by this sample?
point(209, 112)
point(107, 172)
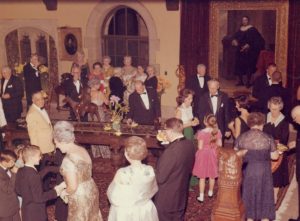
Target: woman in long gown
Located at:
point(278, 127)
point(259, 149)
point(133, 186)
point(128, 75)
point(81, 192)
point(151, 81)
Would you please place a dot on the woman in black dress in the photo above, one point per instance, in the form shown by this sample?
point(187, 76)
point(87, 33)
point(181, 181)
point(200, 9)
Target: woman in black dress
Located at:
point(278, 127)
point(260, 148)
point(239, 125)
point(151, 81)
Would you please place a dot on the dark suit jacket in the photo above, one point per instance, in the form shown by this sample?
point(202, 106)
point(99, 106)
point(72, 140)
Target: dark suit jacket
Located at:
point(32, 82)
point(173, 172)
point(29, 187)
point(116, 87)
point(138, 111)
point(151, 82)
point(9, 204)
point(259, 86)
point(192, 83)
point(276, 90)
point(223, 115)
point(72, 92)
point(13, 106)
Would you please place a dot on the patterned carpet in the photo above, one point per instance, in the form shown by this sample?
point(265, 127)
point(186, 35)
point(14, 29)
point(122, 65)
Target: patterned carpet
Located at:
point(103, 175)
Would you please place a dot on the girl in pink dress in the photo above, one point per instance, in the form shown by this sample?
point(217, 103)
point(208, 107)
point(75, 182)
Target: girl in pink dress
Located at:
point(206, 163)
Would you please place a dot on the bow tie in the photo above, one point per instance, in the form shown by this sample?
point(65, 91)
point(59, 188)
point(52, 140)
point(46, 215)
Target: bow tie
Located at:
point(143, 93)
point(42, 108)
point(200, 76)
point(213, 95)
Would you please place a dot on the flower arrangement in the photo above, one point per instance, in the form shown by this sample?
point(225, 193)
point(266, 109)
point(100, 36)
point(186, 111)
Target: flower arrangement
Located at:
point(117, 109)
point(18, 68)
point(162, 85)
point(43, 69)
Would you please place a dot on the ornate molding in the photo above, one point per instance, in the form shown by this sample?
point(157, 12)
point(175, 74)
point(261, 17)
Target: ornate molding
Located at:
point(282, 11)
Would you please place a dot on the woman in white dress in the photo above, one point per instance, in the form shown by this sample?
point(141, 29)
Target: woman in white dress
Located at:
point(133, 186)
point(184, 112)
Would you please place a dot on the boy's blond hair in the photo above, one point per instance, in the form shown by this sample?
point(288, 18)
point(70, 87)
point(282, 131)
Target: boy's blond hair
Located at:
point(29, 151)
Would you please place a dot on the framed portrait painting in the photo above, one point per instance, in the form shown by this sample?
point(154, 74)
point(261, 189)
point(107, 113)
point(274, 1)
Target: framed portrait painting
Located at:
point(70, 41)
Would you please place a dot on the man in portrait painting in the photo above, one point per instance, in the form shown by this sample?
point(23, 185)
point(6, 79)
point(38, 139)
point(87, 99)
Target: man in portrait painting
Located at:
point(249, 43)
point(71, 44)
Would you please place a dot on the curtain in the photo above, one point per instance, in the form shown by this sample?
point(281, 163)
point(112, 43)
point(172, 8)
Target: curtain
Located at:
point(293, 67)
point(12, 49)
point(194, 34)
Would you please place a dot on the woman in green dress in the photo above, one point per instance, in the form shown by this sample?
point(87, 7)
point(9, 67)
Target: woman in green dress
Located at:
point(184, 112)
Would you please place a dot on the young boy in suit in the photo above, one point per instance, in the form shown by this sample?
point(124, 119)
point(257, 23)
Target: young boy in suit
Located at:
point(29, 187)
point(9, 204)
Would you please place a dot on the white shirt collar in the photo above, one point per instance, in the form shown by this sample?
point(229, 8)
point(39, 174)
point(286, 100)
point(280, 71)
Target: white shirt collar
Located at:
point(144, 92)
point(33, 66)
point(44, 113)
point(30, 166)
point(36, 107)
point(278, 120)
point(3, 167)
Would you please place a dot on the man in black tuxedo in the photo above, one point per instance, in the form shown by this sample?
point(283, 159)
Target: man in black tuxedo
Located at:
point(32, 78)
point(11, 93)
point(74, 90)
point(198, 84)
point(296, 118)
point(261, 84)
point(217, 103)
point(144, 106)
point(173, 173)
point(276, 90)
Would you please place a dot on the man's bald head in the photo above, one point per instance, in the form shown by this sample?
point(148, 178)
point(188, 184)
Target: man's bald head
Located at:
point(296, 114)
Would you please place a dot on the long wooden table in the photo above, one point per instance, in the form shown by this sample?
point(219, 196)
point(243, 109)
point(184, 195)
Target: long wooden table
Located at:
point(93, 133)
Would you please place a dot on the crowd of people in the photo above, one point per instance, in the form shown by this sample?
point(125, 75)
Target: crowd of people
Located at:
point(203, 119)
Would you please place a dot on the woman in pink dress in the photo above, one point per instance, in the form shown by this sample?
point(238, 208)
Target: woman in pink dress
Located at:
point(206, 163)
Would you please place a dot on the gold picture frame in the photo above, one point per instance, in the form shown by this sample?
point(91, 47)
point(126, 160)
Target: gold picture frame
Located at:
point(281, 40)
point(70, 41)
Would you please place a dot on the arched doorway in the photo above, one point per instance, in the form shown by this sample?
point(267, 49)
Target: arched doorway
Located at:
point(125, 33)
point(22, 42)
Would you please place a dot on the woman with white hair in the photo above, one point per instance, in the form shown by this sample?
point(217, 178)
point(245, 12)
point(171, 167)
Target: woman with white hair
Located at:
point(133, 186)
point(81, 192)
point(277, 126)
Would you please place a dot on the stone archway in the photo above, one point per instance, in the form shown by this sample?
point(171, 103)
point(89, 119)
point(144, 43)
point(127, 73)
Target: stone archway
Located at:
point(8, 26)
point(97, 19)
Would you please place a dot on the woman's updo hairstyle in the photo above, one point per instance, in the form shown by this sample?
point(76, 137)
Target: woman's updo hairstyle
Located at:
point(243, 102)
point(136, 148)
point(184, 93)
point(63, 132)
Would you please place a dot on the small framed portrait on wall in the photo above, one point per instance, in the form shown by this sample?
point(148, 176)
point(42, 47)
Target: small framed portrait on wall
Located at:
point(70, 41)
